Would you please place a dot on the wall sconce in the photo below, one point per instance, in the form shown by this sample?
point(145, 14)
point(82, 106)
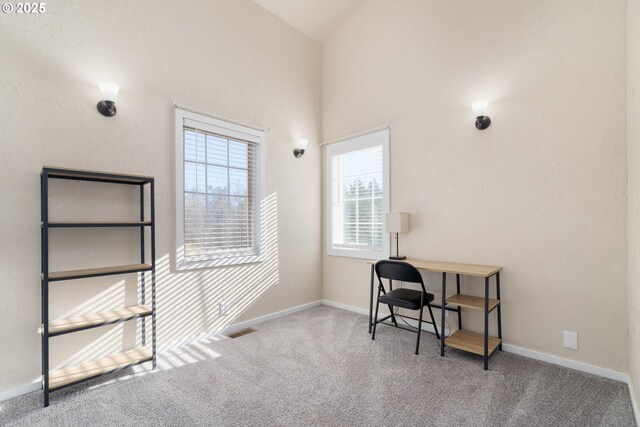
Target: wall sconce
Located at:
point(301, 146)
point(396, 223)
point(109, 91)
point(480, 110)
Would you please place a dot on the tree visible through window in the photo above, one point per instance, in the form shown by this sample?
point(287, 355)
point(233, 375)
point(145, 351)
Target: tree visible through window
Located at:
point(218, 195)
point(362, 216)
point(218, 191)
point(357, 195)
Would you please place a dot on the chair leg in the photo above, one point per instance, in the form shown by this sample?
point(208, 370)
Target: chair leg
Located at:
point(393, 316)
point(419, 330)
point(375, 322)
point(433, 321)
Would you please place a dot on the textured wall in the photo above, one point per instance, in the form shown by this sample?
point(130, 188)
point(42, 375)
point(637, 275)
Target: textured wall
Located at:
point(541, 192)
point(633, 180)
point(228, 57)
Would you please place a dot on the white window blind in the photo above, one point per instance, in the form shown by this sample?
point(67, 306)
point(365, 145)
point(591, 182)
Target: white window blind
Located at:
point(358, 196)
point(357, 199)
point(219, 193)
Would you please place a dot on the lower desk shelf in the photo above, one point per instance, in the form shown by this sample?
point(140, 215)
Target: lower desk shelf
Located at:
point(84, 371)
point(471, 342)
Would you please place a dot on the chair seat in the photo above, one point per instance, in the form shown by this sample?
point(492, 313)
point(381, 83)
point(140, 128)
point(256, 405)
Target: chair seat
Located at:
point(406, 298)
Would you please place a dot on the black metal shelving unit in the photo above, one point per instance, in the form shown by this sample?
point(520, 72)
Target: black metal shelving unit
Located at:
point(54, 380)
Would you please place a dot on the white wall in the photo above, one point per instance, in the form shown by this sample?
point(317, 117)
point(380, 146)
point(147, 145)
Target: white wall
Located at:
point(633, 219)
point(229, 57)
point(541, 192)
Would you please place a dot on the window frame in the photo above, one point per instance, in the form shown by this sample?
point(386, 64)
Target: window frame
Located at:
point(370, 140)
point(227, 130)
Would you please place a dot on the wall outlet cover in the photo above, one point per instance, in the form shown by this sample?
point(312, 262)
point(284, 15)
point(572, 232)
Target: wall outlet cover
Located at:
point(571, 340)
point(225, 308)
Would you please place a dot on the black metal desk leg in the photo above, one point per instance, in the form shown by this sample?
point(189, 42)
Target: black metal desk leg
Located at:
point(371, 299)
point(499, 310)
point(459, 308)
point(442, 312)
point(486, 323)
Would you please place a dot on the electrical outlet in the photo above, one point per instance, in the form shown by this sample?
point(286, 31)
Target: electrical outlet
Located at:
point(225, 308)
point(571, 340)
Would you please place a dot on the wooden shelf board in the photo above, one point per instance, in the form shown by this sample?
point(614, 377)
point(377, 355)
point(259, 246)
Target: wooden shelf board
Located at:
point(83, 371)
point(469, 301)
point(471, 342)
point(95, 272)
point(86, 175)
point(71, 324)
point(79, 224)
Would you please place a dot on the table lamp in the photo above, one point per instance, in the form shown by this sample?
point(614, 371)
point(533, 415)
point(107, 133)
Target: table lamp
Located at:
point(397, 222)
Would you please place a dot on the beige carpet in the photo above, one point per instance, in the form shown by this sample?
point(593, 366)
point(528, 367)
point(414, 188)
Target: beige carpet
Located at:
point(320, 367)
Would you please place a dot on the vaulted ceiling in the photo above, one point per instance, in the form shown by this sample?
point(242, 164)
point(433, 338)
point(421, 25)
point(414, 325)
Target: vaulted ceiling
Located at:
point(314, 18)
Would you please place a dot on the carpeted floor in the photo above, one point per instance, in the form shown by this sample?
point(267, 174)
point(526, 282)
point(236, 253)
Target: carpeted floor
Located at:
point(320, 367)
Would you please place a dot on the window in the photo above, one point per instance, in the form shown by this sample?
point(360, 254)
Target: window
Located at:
point(217, 192)
point(357, 172)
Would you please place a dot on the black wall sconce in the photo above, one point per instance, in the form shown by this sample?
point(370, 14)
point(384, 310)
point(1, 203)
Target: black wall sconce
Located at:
point(109, 91)
point(480, 109)
point(301, 146)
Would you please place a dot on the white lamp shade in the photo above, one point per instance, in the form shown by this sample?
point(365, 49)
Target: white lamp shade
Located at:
point(109, 91)
point(480, 107)
point(397, 222)
point(302, 144)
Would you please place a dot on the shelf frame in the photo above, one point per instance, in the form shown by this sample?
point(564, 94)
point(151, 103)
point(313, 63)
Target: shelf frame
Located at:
point(94, 176)
point(95, 224)
point(485, 304)
point(97, 272)
point(47, 277)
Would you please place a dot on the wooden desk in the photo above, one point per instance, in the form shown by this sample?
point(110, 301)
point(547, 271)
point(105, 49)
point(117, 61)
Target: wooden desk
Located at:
point(480, 344)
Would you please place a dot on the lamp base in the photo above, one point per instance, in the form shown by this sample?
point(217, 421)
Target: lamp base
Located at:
point(106, 108)
point(398, 258)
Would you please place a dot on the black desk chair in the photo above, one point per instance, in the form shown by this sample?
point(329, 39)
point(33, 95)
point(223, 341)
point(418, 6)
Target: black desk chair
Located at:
point(410, 299)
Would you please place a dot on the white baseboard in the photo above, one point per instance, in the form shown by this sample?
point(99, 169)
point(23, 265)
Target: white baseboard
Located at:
point(346, 307)
point(19, 391)
point(634, 402)
point(567, 363)
point(427, 327)
point(252, 322)
point(235, 327)
point(532, 354)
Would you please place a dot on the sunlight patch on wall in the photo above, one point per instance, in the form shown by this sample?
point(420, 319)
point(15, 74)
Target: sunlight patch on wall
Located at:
point(188, 302)
point(188, 316)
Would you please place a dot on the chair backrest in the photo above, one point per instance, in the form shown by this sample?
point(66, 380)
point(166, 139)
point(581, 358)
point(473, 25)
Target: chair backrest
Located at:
point(397, 270)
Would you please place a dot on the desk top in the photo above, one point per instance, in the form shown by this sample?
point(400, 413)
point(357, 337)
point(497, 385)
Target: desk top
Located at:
point(452, 267)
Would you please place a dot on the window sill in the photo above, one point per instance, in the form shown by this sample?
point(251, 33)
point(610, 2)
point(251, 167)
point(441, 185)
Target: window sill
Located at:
point(355, 253)
point(220, 262)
